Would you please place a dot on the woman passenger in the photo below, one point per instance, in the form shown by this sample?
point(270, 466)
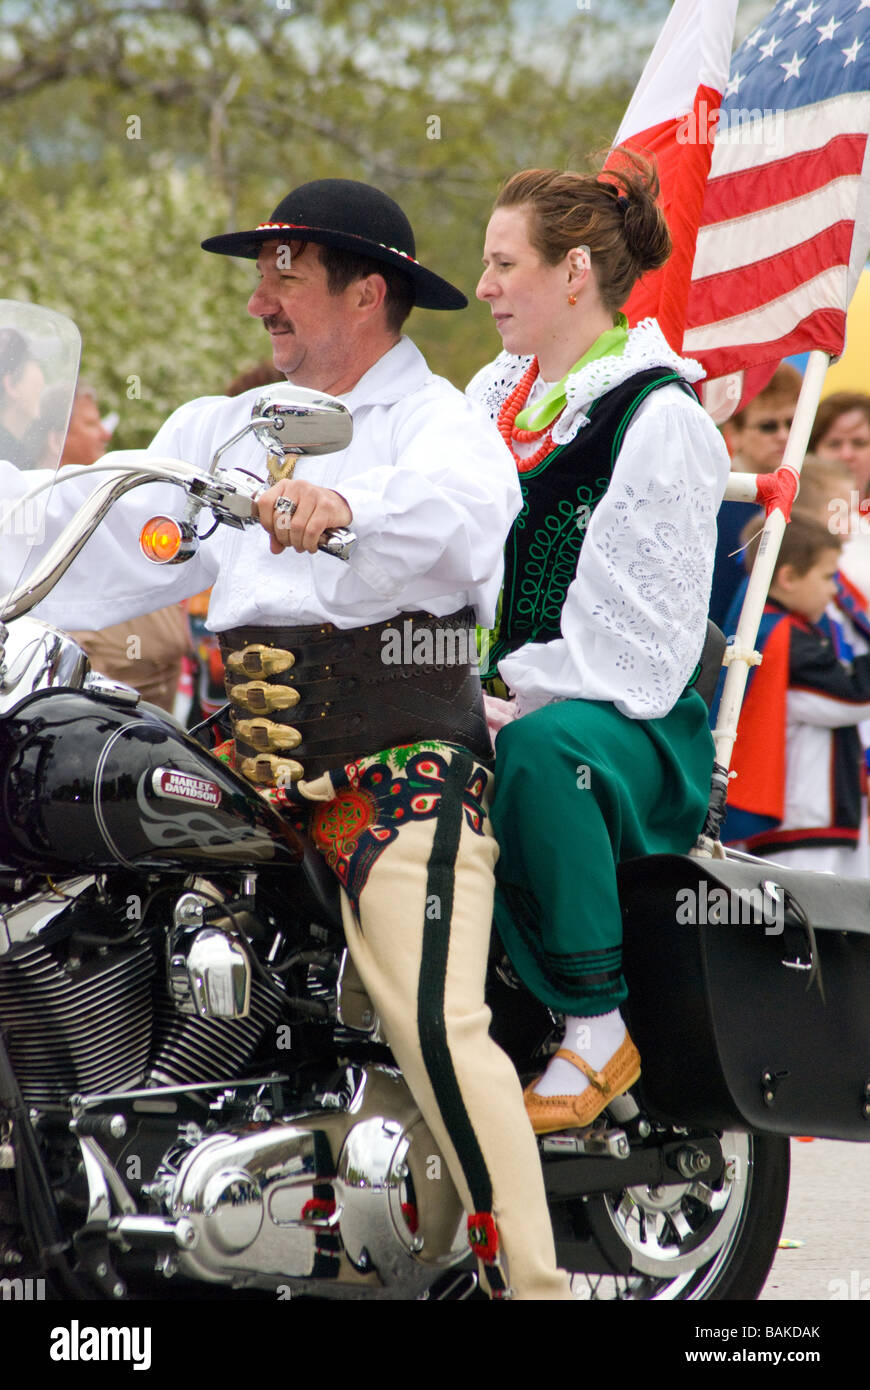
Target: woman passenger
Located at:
point(603, 612)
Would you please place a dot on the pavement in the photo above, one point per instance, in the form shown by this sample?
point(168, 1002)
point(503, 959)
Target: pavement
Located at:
point(829, 1211)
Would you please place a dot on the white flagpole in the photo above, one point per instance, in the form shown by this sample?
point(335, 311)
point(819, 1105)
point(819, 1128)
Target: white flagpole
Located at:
point(741, 654)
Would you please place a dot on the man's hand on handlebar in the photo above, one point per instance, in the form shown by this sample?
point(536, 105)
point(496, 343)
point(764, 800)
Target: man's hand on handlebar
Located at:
point(316, 509)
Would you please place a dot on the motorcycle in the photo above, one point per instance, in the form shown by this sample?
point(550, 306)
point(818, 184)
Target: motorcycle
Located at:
point(195, 1092)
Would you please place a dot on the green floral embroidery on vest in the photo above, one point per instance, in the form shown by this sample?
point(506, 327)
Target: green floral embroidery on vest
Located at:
point(553, 550)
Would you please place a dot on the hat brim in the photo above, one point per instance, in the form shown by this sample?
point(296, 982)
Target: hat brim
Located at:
point(430, 291)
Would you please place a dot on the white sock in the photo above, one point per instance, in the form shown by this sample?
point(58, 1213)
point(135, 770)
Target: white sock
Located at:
point(595, 1040)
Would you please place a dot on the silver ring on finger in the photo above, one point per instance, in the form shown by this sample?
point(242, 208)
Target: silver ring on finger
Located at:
point(286, 506)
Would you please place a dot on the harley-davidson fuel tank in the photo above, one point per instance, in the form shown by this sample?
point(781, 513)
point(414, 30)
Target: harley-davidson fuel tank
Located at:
point(90, 782)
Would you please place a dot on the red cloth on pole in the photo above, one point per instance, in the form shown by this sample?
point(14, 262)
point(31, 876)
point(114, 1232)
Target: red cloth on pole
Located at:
point(777, 489)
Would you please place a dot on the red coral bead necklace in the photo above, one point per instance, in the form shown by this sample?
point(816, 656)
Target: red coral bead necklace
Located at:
point(508, 430)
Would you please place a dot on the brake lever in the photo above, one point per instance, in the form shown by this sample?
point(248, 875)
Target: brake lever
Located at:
point(234, 506)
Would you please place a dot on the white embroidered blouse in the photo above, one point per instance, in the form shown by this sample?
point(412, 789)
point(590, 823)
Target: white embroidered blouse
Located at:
point(634, 618)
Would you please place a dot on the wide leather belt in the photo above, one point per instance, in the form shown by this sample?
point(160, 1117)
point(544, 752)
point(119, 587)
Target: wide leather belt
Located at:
point(307, 699)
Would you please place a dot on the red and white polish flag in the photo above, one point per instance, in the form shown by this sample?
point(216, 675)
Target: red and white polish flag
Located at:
point(672, 116)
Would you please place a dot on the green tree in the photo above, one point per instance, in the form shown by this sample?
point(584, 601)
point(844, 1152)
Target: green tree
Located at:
point(139, 129)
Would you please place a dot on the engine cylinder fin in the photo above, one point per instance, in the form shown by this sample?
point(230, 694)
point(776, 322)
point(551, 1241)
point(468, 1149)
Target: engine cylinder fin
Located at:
point(84, 1029)
point(188, 1049)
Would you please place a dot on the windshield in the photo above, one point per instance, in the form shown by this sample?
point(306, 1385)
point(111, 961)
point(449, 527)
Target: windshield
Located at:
point(39, 363)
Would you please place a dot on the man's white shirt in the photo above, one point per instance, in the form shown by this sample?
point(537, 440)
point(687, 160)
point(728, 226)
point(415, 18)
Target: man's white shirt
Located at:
point(431, 486)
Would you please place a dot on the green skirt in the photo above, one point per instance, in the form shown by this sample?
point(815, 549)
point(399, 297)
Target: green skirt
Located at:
point(579, 787)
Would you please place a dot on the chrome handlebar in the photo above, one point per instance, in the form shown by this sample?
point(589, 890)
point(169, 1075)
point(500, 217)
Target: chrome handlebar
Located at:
point(229, 501)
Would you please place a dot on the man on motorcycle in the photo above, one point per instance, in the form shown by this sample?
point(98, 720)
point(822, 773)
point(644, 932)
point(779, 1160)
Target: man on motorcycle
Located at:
point(390, 766)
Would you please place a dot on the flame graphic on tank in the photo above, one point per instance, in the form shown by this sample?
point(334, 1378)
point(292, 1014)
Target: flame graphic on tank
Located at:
point(180, 828)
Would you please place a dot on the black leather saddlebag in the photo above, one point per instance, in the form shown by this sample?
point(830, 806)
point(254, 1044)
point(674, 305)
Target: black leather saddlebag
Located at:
point(749, 994)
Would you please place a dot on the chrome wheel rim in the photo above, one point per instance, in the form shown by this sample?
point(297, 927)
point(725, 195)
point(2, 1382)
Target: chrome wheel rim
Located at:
point(681, 1238)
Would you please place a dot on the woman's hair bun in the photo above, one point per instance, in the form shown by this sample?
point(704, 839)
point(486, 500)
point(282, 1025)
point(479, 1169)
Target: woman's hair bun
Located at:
point(636, 184)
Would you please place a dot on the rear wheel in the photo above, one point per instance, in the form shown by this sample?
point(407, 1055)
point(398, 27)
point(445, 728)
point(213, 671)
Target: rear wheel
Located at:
point(692, 1241)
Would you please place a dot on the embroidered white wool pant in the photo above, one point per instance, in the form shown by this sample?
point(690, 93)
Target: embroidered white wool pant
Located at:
point(419, 938)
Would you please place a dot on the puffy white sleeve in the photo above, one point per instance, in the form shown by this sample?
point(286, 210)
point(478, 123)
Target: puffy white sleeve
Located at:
point(635, 616)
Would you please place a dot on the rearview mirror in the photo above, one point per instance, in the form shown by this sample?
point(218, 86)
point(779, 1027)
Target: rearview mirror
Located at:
point(290, 419)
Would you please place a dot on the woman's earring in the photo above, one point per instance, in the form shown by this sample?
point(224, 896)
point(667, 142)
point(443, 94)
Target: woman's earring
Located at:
point(572, 299)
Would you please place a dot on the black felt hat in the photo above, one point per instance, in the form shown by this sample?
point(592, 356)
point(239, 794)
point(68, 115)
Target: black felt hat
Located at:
point(353, 217)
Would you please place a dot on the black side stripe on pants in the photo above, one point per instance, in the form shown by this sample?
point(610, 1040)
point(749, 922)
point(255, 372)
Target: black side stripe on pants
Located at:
point(430, 991)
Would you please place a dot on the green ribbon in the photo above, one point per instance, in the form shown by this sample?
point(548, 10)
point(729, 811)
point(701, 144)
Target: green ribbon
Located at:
point(611, 343)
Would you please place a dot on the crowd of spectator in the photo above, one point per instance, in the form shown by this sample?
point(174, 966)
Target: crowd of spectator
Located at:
point(800, 790)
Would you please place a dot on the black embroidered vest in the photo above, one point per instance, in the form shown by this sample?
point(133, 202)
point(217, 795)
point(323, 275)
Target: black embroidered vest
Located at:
point(559, 497)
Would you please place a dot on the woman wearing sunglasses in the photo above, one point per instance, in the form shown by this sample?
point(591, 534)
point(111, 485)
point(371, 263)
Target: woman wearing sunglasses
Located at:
point(604, 606)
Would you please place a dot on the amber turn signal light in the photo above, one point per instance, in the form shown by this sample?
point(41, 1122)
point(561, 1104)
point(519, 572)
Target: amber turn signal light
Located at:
point(165, 541)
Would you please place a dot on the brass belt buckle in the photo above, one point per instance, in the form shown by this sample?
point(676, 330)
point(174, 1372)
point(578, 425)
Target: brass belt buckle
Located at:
point(260, 698)
point(260, 660)
point(267, 768)
point(267, 735)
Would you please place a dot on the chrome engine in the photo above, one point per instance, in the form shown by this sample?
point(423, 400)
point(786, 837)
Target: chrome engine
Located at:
point(347, 1192)
point(80, 1017)
point(360, 1197)
point(356, 1200)
point(73, 1019)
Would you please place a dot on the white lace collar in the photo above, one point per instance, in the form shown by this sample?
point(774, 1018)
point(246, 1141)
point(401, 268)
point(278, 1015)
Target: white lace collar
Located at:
point(646, 347)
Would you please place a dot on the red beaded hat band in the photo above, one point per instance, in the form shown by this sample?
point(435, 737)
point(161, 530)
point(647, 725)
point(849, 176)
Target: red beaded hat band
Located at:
point(296, 227)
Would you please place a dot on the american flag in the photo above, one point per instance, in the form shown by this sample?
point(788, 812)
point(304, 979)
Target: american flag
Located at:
point(785, 224)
